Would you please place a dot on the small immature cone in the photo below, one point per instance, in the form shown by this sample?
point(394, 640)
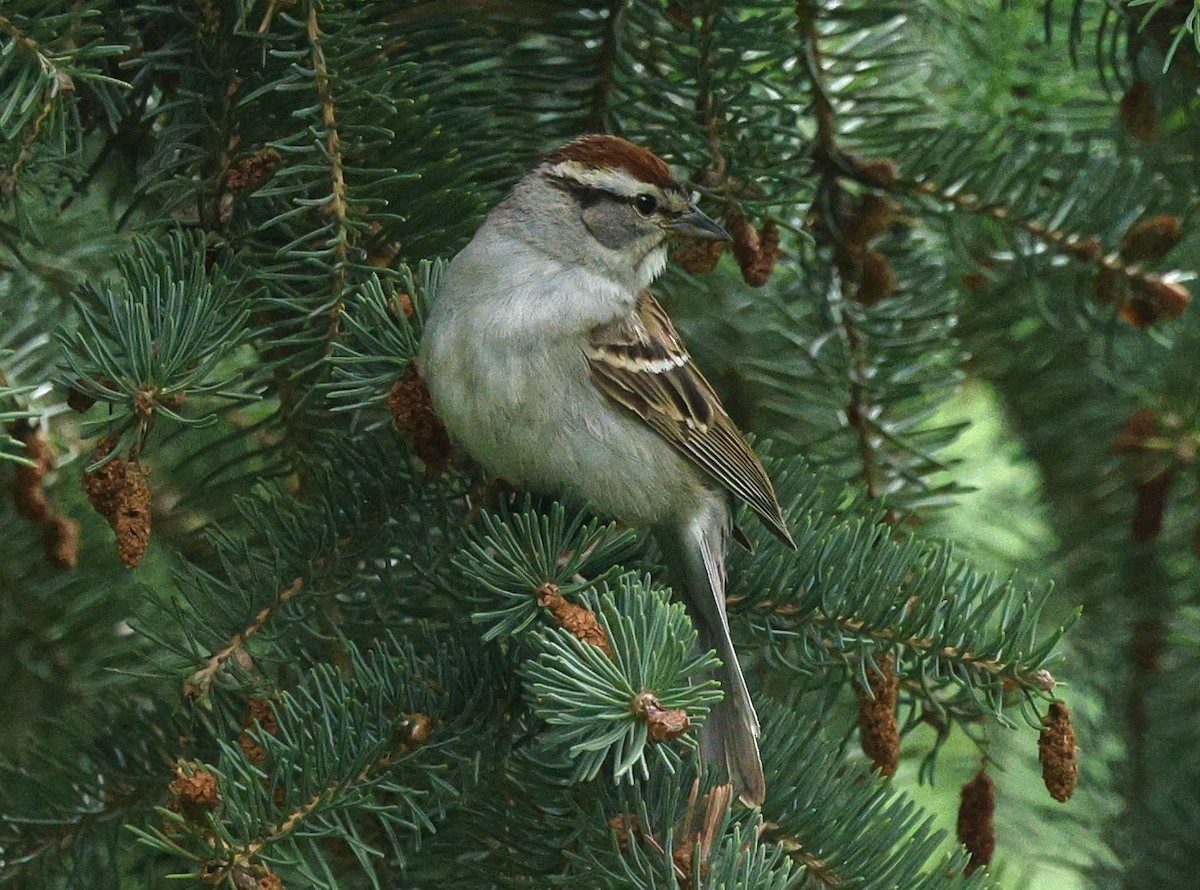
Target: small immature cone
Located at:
point(1112, 287)
point(1152, 495)
point(878, 279)
point(698, 257)
point(257, 711)
point(1149, 240)
point(756, 251)
point(29, 497)
point(877, 716)
point(574, 618)
point(663, 724)
point(1058, 752)
point(412, 411)
point(1087, 249)
point(880, 172)
point(193, 794)
point(869, 219)
point(118, 491)
point(1141, 425)
point(976, 828)
point(1138, 112)
point(418, 727)
point(60, 541)
point(60, 534)
point(250, 173)
point(1152, 299)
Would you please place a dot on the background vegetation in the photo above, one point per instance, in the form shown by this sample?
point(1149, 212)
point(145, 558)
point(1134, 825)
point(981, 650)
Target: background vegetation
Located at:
point(260, 627)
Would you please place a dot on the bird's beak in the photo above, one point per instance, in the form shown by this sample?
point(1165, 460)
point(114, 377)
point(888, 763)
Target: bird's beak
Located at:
point(695, 224)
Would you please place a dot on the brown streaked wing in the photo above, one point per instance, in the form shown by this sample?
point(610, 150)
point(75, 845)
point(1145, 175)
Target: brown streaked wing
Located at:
point(644, 366)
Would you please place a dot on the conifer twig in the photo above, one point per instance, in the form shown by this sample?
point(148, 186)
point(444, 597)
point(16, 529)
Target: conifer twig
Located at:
point(60, 83)
point(201, 681)
point(418, 734)
point(858, 411)
point(337, 207)
point(1040, 679)
point(1085, 249)
point(815, 868)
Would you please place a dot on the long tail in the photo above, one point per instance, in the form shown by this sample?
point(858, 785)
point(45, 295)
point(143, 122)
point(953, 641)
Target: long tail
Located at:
point(695, 555)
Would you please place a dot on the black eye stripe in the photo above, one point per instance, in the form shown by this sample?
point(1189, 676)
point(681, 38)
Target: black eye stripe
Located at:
point(590, 194)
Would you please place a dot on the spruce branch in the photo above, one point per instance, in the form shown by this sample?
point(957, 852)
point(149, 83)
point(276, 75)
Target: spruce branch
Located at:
point(514, 557)
point(245, 859)
point(1039, 680)
point(372, 753)
point(944, 622)
point(337, 207)
point(49, 84)
point(200, 683)
point(600, 706)
point(1164, 295)
point(836, 853)
point(64, 806)
point(1143, 297)
point(380, 332)
point(43, 57)
point(676, 829)
point(851, 255)
point(158, 336)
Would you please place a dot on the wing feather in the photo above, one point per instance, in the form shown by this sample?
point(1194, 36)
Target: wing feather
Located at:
point(643, 365)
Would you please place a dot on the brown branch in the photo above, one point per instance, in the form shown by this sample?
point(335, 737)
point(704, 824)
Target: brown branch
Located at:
point(816, 868)
point(201, 681)
point(806, 25)
point(1040, 679)
point(858, 411)
point(418, 729)
point(1146, 296)
point(859, 408)
point(337, 207)
point(60, 84)
point(1084, 249)
point(606, 62)
point(706, 110)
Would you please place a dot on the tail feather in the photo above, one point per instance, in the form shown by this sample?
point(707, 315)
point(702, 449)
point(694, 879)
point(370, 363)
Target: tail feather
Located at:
point(695, 555)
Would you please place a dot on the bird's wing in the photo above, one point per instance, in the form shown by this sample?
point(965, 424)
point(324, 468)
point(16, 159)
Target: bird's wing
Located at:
point(643, 365)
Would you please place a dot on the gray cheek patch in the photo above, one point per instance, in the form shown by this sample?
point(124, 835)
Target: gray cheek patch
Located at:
point(614, 225)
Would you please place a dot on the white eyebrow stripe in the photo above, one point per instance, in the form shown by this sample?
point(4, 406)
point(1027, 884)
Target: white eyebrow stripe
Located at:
point(617, 180)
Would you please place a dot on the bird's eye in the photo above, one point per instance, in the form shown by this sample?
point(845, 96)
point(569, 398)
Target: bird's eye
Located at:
point(645, 204)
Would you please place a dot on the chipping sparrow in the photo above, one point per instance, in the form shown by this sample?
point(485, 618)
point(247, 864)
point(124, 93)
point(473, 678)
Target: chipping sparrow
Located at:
point(552, 365)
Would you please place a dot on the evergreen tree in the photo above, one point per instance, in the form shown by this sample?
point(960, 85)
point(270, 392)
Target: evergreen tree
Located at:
point(262, 628)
